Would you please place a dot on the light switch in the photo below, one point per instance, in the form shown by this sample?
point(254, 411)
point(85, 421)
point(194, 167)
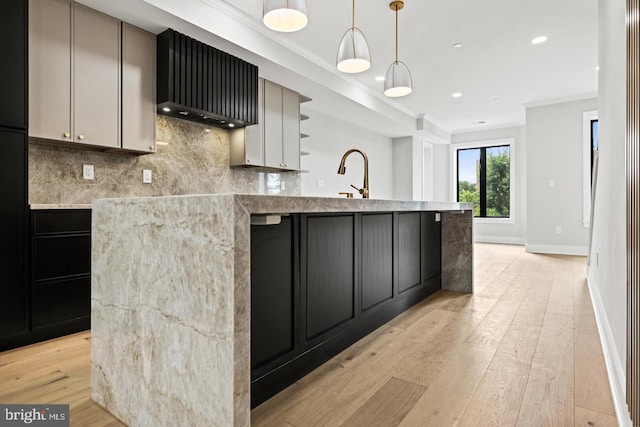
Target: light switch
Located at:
point(552, 183)
point(321, 183)
point(87, 172)
point(558, 229)
point(283, 185)
point(147, 176)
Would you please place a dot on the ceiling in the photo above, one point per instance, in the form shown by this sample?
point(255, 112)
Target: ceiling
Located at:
point(497, 69)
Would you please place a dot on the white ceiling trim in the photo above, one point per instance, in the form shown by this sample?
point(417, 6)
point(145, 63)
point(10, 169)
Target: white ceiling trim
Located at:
point(562, 100)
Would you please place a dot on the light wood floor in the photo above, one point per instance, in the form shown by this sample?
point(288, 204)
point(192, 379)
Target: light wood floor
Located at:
point(522, 351)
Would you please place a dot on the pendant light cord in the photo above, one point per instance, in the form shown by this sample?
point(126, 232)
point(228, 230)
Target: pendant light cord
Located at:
point(353, 13)
point(396, 33)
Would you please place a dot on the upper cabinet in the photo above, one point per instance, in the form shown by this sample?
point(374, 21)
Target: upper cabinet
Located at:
point(96, 78)
point(138, 89)
point(81, 61)
point(13, 81)
point(275, 141)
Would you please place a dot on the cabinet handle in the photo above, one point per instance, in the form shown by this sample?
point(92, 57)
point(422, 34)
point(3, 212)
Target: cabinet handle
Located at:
point(67, 135)
point(248, 161)
point(151, 147)
point(81, 137)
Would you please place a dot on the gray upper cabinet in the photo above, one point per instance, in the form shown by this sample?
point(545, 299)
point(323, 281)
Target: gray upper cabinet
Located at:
point(91, 78)
point(273, 129)
point(138, 90)
point(50, 69)
point(96, 82)
point(290, 129)
point(275, 141)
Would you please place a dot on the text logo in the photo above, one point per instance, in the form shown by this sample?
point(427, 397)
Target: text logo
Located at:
point(34, 415)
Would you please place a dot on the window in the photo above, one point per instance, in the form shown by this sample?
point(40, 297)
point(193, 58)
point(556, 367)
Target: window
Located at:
point(483, 177)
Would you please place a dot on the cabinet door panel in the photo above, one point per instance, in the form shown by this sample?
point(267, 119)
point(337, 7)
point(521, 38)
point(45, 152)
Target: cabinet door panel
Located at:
point(61, 301)
point(56, 257)
point(254, 136)
point(13, 81)
point(409, 253)
point(271, 291)
point(13, 316)
point(377, 259)
point(431, 235)
point(138, 89)
point(291, 129)
point(96, 78)
point(330, 285)
point(272, 125)
point(50, 69)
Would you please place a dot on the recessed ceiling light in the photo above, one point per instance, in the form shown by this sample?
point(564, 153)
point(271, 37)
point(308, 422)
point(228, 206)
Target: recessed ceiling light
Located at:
point(231, 125)
point(166, 109)
point(184, 113)
point(538, 40)
point(379, 78)
point(597, 68)
point(456, 95)
point(457, 45)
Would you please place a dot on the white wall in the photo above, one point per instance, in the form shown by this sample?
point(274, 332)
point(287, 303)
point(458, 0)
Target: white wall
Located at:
point(516, 231)
point(607, 272)
point(441, 173)
point(554, 152)
point(329, 139)
point(407, 168)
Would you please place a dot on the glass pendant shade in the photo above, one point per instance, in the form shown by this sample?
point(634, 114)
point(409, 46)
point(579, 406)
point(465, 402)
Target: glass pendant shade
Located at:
point(397, 81)
point(285, 16)
point(353, 53)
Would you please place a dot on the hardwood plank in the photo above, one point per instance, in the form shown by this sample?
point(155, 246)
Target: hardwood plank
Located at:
point(495, 324)
point(388, 406)
point(497, 400)
point(549, 396)
point(591, 381)
point(588, 418)
point(443, 403)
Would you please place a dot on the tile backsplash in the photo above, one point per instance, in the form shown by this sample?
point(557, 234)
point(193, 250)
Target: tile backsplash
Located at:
point(191, 159)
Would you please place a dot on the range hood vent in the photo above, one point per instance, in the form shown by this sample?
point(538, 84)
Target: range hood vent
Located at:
point(200, 83)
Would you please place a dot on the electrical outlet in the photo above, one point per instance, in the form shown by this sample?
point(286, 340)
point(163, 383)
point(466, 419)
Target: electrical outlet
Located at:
point(321, 183)
point(558, 229)
point(87, 172)
point(147, 176)
point(552, 183)
point(283, 185)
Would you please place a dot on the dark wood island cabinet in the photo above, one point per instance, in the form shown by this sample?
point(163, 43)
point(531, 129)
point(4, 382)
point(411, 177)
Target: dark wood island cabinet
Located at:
point(320, 282)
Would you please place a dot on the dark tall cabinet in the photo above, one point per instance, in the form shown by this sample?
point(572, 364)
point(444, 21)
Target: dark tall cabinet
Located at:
point(14, 319)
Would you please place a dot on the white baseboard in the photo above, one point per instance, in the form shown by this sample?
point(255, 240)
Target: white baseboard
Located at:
point(556, 249)
point(615, 370)
point(508, 240)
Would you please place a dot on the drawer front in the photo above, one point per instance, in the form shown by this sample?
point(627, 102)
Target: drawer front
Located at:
point(45, 222)
point(61, 256)
point(62, 301)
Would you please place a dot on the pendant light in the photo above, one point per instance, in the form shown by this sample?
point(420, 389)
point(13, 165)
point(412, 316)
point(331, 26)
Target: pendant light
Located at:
point(397, 81)
point(353, 53)
point(285, 16)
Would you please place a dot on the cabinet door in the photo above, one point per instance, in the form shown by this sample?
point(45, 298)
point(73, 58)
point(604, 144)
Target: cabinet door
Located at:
point(254, 136)
point(96, 105)
point(409, 250)
point(291, 129)
point(273, 125)
point(377, 259)
point(13, 81)
point(13, 308)
point(432, 240)
point(330, 284)
point(50, 69)
point(138, 89)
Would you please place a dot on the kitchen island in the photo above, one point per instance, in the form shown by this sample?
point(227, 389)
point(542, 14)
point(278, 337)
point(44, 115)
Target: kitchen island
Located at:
point(172, 300)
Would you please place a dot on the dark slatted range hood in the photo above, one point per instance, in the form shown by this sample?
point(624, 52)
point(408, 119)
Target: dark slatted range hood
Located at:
point(200, 83)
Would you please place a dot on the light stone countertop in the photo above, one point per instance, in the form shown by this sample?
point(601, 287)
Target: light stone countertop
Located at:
point(59, 206)
point(276, 204)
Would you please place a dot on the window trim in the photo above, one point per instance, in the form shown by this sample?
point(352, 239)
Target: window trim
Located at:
point(512, 176)
point(587, 117)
